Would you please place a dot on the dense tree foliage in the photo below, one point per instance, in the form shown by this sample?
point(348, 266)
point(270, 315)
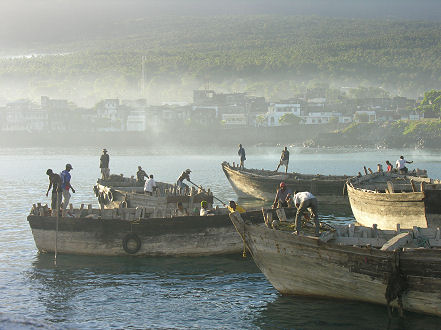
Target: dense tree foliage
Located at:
point(255, 53)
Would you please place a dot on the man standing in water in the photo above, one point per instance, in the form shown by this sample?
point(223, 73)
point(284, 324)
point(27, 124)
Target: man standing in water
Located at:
point(55, 184)
point(284, 159)
point(104, 165)
point(241, 153)
point(66, 186)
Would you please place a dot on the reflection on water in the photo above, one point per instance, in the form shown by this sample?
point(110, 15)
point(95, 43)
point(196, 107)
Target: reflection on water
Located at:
point(295, 312)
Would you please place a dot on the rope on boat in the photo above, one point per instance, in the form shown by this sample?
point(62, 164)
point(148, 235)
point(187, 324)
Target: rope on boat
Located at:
point(396, 285)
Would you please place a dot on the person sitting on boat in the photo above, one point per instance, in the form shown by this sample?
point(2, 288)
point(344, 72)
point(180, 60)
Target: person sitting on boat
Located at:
point(205, 210)
point(389, 166)
point(306, 201)
point(140, 175)
point(281, 196)
point(150, 185)
point(233, 207)
point(401, 165)
point(241, 153)
point(284, 160)
point(104, 165)
point(184, 176)
point(180, 210)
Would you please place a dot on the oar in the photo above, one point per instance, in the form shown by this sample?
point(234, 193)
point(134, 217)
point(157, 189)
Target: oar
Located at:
point(205, 191)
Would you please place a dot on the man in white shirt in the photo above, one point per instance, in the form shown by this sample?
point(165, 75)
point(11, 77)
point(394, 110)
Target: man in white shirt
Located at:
point(306, 201)
point(401, 165)
point(150, 185)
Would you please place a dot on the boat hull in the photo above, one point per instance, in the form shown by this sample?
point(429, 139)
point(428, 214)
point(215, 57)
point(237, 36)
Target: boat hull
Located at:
point(386, 210)
point(301, 265)
point(178, 236)
point(263, 184)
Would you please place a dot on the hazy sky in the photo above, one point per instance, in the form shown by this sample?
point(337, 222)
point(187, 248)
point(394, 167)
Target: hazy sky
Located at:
point(23, 22)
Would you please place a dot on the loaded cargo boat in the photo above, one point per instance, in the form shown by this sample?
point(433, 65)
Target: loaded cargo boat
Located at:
point(119, 190)
point(134, 231)
point(390, 267)
point(387, 199)
point(263, 184)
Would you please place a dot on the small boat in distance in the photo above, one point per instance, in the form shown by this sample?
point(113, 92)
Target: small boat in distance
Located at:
point(263, 184)
point(397, 268)
point(130, 193)
point(390, 199)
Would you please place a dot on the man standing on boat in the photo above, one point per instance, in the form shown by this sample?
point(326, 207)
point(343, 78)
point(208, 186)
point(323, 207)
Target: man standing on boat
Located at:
point(66, 186)
point(150, 186)
point(401, 165)
point(55, 184)
point(184, 176)
point(104, 165)
point(140, 175)
point(306, 201)
point(241, 153)
point(282, 198)
point(284, 159)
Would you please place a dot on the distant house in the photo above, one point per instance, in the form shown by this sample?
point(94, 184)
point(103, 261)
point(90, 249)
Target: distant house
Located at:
point(231, 120)
point(325, 118)
point(23, 115)
point(365, 116)
point(136, 121)
point(279, 109)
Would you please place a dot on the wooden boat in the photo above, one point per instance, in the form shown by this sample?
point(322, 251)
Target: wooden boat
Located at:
point(263, 184)
point(350, 262)
point(132, 231)
point(127, 191)
point(387, 199)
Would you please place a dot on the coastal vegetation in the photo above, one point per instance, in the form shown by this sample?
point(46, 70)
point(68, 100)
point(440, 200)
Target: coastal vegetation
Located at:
point(271, 55)
point(424, 133)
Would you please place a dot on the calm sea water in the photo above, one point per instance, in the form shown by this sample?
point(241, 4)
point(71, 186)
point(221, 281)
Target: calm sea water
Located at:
point(207, 292)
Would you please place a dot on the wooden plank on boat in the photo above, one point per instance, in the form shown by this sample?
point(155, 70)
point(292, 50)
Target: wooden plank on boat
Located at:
point(360, 241)
point(281, 215)
point(390, 187)
point(327, 236)
point(397, 242)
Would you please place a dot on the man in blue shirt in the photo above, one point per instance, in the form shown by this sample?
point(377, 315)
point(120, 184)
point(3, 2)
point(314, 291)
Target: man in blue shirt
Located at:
point(66, 186)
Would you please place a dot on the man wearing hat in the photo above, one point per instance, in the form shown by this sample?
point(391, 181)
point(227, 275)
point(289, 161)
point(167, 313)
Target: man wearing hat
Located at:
point(66, 186)
point(104, 165)
point(180, 182)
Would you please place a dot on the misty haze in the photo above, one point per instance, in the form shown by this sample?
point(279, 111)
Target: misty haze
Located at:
point(220, 164)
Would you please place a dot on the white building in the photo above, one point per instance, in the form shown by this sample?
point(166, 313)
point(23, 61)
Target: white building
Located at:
point(325, 118)
point(278, 110)
point(23, 115)
point(136, 121)
point(234, 119)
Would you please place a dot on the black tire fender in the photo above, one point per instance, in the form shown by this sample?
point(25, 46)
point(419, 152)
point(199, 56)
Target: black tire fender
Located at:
point(125, 242)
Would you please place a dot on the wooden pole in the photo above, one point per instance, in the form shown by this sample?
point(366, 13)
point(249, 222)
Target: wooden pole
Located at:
point(56, 229)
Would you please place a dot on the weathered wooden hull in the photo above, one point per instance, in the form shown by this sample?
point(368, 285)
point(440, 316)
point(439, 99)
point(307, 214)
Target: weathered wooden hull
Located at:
point(386, 210)
point(178, 236)
point(161, 203)
point(263, 184)
point(303, 265)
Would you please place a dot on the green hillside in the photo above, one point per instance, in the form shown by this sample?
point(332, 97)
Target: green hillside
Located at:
point(266, 54)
